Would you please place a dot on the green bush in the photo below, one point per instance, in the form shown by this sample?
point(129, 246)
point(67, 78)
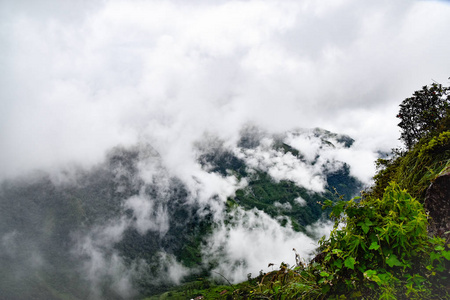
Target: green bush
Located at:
point(379, 248)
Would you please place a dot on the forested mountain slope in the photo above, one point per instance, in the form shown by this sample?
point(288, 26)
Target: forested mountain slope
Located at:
point(391, 243)
point(130, 227)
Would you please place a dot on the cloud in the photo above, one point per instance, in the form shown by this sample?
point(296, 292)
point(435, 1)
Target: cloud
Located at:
point(328, 153)
point(107, 270)
point(283, 206)
point(78, 81)
point(320, 153)
point(283, 166)
point(9, 243)
point(320, 228)
point(171, 270)
point(251, 241)
point(300, 201)
point(148, 215)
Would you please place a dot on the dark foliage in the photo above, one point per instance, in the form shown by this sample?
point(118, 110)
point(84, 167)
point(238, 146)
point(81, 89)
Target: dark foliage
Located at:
point(421, 114)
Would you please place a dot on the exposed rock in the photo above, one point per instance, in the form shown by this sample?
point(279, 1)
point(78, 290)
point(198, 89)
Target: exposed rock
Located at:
point(437, 203)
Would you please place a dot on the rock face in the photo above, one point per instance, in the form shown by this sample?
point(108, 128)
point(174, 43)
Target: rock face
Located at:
point(437, 203)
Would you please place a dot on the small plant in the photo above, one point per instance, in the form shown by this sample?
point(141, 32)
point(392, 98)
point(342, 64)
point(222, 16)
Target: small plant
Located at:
point(380, 248)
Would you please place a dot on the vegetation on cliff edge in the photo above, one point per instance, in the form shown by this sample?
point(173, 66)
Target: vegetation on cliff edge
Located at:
point(379, 247)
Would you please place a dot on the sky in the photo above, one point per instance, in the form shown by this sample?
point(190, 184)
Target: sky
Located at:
point(79, 77)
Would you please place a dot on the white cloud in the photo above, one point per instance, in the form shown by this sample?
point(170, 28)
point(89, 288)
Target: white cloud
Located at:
point(320, 153)
point(78, 81)
point(327, 153)
point(284, 206)
point(171, 269)
point(98, 260)
point(149, 215)
point(300, 201)
point(251, 241)
point(320, 228)
point(283, 166)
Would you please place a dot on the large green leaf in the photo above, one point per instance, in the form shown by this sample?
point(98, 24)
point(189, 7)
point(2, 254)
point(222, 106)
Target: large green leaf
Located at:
point(350, 263)
point(392, 260)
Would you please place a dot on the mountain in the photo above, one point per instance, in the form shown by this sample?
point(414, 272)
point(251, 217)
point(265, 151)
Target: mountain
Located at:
point(133, 226)
point(390, 243)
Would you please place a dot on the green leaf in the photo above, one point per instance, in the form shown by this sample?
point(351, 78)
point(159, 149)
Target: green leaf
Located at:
point(439, 248)
point(374, 246)
point(392, 260)
point(338, 263)
point(384, 277)
point(368, 222)
point(336, 251)
point(324, 274)
point(365, 228)
point(446, 254)
point(338, 208)
point(434, 256)
point(350, 263)
point(327, 203)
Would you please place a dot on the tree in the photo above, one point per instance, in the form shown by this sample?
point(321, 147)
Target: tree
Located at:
point(421, 114)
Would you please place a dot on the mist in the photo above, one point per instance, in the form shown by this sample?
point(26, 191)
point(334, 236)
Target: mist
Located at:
point(80, 79)
point(129, 106)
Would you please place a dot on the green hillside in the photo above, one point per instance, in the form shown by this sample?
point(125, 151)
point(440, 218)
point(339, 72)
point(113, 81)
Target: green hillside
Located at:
point(128, 228)
point(379, 247)
point(74, 238)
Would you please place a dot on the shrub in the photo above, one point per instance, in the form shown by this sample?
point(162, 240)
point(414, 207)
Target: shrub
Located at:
point(380, 248)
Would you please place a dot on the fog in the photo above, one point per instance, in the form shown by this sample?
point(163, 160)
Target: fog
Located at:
point(173, 80)
point(79, 79)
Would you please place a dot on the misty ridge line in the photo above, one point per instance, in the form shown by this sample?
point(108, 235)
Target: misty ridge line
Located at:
point(133, 198)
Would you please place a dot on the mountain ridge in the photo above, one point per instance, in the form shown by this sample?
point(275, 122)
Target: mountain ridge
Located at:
point(129, 213)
